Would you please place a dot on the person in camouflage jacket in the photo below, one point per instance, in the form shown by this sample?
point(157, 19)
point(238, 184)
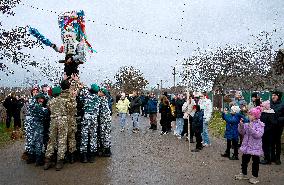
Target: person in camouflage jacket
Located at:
point(39, 114)
point(89, 125)
point(104, 124)
point(29, 127)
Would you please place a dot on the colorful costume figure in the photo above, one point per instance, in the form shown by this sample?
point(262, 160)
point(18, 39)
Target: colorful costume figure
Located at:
point(72, 25)
point(89, 125)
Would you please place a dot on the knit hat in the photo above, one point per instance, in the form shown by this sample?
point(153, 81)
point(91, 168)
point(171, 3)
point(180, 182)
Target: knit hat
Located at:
point(95, 88)
point(35, 88)
point(104, 91)
point(255, 112)
point(235, 109)
point(40, 95)
point(56, 90)
point(254, 95)
point(278, 93)
point(266, 105)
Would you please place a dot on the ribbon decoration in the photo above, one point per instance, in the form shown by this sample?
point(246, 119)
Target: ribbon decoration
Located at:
point(34, 32)
point(77, 19)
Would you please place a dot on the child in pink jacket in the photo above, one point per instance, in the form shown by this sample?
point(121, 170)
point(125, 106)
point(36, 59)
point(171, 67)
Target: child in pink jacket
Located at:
point(251, 145)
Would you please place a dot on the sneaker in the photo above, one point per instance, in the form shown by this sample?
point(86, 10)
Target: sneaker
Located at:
point(264, 162)
point(253, 180)
point(135, 130)
point(205, 145)
point(162, 133)
point(165, 133)
point(179, 137)
point(122, 129)
point(241, 176)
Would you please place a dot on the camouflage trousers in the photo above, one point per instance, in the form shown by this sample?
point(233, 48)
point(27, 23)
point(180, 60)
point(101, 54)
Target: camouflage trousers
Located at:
point(37, 146)
point(72, 129)
point(29, 134)
point(104, 132)
point(89, 133)
point(58, 132)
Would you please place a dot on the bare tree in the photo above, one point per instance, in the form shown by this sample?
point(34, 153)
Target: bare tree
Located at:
point(128, 79)
point(13, 41)
point(251, 67)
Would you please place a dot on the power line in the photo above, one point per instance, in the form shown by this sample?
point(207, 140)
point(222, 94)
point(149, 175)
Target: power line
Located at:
point(161, 36)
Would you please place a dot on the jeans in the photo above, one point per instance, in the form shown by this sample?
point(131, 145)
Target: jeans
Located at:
point(205, 135)
point(179, 125)
point(135, 119)
point(122, 119)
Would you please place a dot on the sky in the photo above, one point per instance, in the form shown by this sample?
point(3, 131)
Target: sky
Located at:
point(203, 23)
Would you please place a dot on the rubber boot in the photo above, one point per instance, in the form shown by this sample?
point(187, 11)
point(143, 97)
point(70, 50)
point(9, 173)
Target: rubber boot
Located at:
point(59, 165)
point(39, 160)
point(71, 158)
point(84, 158)
point(47, 164)
point(92, 157)
point(154, 127)
point(107, 152)
point(31, 159)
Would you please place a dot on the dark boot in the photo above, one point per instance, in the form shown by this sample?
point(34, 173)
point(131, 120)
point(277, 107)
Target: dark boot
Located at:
point(151, 127)
point(226, 154)
point(31, 159)
point(154, 127)
point(59, 165)
point(107, 152)
point(84, 158)
point(234, 157)
point(92, 157)
point(39, 160)
point(278, 162)
point(47, 164)
point(71, 158)
point(25, 156)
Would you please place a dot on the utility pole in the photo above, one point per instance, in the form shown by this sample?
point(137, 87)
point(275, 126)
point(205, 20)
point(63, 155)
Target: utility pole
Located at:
point(174, 73)
point(159, 90)
point(161, 85)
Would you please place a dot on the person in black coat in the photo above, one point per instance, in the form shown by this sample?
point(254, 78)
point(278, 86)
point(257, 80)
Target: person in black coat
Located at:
point(197, 127)
point(278, 106)
point(268, 118)
point(13, 107)
point(165, 111)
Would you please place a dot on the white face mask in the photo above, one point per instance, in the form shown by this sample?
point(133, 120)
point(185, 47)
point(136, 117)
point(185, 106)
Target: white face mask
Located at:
point(70, 43)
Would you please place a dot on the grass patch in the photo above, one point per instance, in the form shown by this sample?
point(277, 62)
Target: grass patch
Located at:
point(5, 136)
point(217, 125)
